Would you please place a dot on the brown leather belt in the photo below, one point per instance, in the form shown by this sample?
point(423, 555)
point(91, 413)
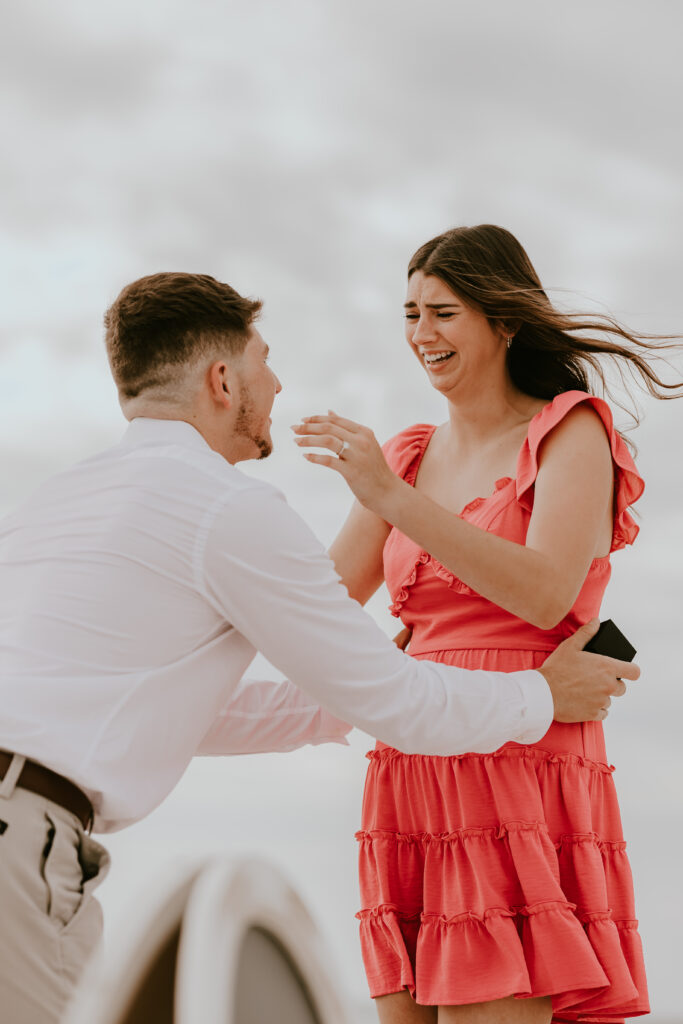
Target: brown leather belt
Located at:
point(44, 782)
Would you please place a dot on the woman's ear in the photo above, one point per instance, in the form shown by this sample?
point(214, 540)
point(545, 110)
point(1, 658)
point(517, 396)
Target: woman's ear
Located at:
point(507, 328)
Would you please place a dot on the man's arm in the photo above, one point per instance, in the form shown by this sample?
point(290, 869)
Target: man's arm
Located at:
point(269, 576)
point(263, 716)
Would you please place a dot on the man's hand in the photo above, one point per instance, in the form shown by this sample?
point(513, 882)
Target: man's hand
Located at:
point(583, 684)
point(402, 639)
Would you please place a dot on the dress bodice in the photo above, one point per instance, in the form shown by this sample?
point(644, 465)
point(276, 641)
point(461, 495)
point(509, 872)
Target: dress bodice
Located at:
point(419, 585)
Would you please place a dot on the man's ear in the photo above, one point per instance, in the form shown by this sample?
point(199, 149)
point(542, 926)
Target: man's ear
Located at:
point(222, 383)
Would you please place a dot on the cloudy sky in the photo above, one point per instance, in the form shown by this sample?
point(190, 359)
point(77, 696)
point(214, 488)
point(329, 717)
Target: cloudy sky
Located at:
point(302, 151)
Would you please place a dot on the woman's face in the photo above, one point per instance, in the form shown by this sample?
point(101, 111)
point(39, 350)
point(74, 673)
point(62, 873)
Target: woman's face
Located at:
point(456, 344)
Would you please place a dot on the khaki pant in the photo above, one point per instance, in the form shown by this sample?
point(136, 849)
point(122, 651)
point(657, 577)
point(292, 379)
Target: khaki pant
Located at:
point(49, 921)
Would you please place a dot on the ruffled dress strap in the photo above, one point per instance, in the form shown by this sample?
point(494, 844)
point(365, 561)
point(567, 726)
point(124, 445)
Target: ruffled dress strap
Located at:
point(628, 484)
point(404, 451)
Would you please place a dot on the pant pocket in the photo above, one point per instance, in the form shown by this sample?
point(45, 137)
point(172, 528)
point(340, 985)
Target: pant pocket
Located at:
point(94, 860)
point(73, 866)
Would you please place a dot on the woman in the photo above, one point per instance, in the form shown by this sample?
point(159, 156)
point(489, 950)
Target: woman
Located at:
point(495, 887)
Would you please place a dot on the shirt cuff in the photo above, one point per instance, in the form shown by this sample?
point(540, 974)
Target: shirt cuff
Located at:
point(330, 730)
point(537, 706)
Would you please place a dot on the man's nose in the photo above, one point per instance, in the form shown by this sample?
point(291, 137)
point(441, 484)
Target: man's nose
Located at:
point(278, 385)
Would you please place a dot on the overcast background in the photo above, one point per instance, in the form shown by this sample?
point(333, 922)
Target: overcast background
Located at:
point(302, 151)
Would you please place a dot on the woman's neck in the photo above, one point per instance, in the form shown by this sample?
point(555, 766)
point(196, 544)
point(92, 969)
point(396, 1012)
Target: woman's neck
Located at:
point(478, 418)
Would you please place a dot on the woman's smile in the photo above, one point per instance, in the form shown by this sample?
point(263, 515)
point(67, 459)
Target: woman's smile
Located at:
point(434, 361)
point(431, 358)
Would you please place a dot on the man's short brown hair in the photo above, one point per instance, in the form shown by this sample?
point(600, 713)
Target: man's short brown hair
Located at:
point(162, 322)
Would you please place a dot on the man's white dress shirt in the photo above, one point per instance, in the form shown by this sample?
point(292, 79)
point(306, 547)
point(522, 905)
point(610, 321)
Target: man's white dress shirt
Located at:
point(135, 589)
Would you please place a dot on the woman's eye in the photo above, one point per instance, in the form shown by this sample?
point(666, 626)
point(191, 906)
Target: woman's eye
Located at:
point(412, 316)
point(445, 316)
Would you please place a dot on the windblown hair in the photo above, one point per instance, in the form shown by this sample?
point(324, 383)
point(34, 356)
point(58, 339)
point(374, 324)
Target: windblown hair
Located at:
point(164, 322)
point(490, 271)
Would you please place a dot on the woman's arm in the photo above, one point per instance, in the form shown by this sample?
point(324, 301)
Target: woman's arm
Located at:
point(538, 581)
point(357, 552)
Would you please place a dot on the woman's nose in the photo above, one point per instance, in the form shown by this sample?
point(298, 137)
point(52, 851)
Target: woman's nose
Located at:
point(423, 330)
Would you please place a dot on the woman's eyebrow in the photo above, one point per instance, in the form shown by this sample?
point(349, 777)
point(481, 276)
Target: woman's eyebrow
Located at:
point(433, 305)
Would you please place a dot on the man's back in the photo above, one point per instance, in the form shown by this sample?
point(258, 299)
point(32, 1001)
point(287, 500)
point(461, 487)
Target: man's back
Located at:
point(102, 604)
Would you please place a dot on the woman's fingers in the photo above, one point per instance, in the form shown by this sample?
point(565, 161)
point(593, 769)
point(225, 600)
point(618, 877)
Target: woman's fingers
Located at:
point(331, 461)
point(343, 422)
point(323, 427)
point(331, 441)
point(356, 456)
point(311, 428)
point(329, 420)
point(321, 432)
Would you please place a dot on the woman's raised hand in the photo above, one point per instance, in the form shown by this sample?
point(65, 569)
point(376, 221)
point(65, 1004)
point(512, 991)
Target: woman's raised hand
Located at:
point(356, 455)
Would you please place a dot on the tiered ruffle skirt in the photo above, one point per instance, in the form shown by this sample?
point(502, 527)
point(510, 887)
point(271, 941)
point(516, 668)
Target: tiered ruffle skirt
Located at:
point(489, 875)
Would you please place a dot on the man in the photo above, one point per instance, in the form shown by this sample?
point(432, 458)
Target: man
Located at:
point(134, 592)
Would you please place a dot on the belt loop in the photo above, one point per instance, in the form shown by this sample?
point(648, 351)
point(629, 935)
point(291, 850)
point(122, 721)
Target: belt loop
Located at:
point(11, 775)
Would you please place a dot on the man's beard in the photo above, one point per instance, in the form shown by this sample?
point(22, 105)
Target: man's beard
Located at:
point(244, 424)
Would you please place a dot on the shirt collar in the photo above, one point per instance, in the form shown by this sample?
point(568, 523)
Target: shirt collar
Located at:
point(143, 431)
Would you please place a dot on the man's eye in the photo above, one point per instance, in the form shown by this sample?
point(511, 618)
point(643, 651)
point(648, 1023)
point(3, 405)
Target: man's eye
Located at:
point(412, 316)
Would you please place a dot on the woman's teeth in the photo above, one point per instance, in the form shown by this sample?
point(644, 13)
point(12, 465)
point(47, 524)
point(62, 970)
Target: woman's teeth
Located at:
point(437, 357)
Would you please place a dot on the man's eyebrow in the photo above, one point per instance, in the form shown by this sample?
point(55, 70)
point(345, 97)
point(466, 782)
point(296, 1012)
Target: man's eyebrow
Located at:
point(434, 305)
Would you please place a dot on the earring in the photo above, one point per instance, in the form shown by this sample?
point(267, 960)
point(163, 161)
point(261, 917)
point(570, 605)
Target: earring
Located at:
point(509, 340)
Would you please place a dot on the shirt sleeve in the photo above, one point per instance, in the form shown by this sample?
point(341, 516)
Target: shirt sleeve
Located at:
point(263, 716)
point(269, 576)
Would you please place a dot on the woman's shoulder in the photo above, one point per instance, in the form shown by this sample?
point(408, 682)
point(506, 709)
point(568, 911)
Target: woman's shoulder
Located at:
point(583, 416)
point(587, 420)
point(407, 447)
point(578, 413)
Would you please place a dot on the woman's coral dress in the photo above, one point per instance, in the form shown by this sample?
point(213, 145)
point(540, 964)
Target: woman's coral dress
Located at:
point(486, 875)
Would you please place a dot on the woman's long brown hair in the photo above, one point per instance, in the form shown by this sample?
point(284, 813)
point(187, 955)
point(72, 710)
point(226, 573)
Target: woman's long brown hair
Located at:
point(489, 270)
